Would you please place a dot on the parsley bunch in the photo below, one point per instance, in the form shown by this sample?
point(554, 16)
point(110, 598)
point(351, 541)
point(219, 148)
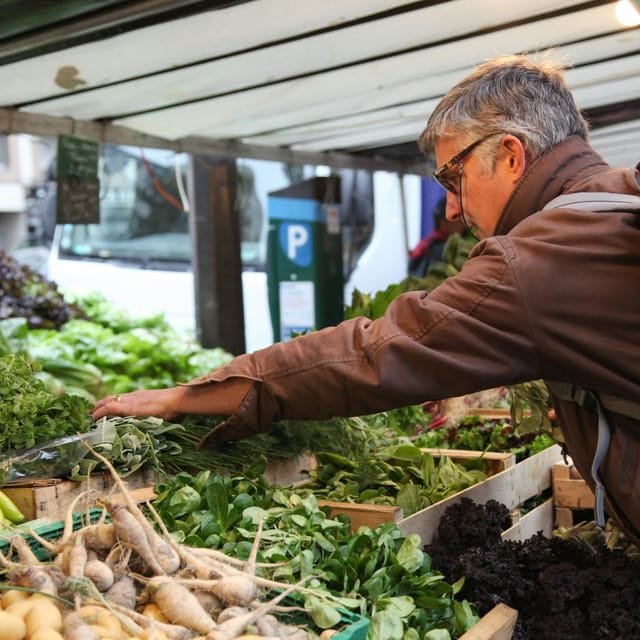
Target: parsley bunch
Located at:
point(29, 414)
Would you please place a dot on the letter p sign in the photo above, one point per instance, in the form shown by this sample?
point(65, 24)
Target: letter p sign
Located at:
point(295, 241)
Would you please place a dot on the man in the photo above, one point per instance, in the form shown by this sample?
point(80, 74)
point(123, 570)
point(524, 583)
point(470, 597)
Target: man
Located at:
point(549, 292)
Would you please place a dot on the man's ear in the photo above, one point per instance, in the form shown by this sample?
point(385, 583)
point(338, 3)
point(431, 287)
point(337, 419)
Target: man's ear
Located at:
point(514, 156)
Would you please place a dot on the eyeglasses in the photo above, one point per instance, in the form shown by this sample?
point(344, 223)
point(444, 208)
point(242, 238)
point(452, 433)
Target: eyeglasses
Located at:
point(445, 174)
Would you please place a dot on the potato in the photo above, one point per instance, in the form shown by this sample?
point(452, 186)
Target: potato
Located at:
point(152, 610)
point(12, 627)
point(104, 633)
point(46, 634)
point(20, 608)
point(94, 614)
point(43, 614)
point(11, 596)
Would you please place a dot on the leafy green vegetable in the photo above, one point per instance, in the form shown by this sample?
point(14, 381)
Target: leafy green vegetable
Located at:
point(399, 474)
point(383, 573)
point(30, 414)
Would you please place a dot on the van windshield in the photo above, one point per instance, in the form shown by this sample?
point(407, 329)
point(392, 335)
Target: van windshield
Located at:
point(142, 218)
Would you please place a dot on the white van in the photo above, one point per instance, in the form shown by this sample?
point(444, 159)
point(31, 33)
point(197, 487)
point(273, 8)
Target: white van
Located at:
point(139, 256)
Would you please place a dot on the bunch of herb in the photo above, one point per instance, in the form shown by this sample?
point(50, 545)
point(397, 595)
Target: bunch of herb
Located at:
point(130, 444)
point(28, 413)
point(382, 571)
point(286, 440)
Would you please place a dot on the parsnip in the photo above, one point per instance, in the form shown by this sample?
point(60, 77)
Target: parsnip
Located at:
point(99, 573)
point(165, 555)
point(179, 605)
point(132, 535)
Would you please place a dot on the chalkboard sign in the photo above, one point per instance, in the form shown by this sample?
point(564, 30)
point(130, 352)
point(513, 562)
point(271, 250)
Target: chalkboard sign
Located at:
point(78, 199)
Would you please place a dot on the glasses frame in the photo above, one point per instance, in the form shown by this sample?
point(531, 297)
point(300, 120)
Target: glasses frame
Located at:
point(440, 173)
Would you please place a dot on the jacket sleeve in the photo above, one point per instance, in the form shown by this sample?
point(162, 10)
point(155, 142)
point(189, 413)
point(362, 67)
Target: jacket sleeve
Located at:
point(469, 334)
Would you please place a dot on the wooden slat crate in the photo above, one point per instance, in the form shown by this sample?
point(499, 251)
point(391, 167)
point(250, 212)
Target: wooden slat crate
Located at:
point(368, 515)
point(371, 515)
point(512, 487)
point(570, 494)
point(498, 624)
point(495, 461)
point(51, 497)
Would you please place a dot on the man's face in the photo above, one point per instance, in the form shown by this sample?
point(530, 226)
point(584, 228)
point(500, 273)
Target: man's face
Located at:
point(481, 195)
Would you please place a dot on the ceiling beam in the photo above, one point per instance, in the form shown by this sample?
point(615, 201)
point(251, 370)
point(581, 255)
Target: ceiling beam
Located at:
point(13, 121)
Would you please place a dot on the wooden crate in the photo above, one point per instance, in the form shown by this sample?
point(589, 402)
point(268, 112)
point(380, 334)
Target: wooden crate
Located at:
point(495, 461)
point(512, 487)
point(51, 497)
point(368, 515)
point(372, 515)
point(291, 472)
point(570, 494)
point(498, 624)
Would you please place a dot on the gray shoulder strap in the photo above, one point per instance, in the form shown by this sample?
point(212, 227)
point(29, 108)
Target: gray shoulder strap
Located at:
point(595, 201)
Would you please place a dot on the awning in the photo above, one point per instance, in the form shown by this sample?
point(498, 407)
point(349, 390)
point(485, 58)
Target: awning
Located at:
point(337, 82)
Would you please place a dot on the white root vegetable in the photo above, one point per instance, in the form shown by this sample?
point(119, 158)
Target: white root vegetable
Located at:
point(122, 593)
point(250, 566)
point(77, 558)
point(234, 627)
point(36, 578)
point(67, 531)
point(172, 631)
point(99, 573)
point(203, 569)
point(231, 612)
point(100, 536)
point(179, 605)
point(24, 551)
point(236, 590)
point(164, 553)
point(132, 535)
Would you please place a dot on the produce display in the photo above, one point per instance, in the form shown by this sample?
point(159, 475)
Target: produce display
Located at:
point(223, 553)
point(125, 577)
point(583, 584)
point(393, 581)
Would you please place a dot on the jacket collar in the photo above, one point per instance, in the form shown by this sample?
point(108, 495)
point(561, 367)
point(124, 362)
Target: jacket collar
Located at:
point(558, 171)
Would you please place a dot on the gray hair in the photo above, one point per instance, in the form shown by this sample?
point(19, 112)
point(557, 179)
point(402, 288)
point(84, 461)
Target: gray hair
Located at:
point(509, 94)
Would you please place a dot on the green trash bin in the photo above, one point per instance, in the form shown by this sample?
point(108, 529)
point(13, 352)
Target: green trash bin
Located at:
point(304, 257)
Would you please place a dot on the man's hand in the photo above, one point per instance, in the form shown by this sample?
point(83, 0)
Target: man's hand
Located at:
point(161, 403)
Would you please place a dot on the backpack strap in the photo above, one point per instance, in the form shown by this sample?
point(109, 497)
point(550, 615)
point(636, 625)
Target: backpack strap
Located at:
point(595, 201)
point(597, 402)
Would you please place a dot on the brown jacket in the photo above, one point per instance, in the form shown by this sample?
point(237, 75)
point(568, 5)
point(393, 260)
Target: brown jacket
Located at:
point(553, 294)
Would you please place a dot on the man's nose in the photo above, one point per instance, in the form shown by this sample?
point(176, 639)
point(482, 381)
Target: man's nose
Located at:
point(452, 209)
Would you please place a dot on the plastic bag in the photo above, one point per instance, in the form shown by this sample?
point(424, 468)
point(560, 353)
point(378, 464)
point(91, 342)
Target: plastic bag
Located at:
point(54, 459)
